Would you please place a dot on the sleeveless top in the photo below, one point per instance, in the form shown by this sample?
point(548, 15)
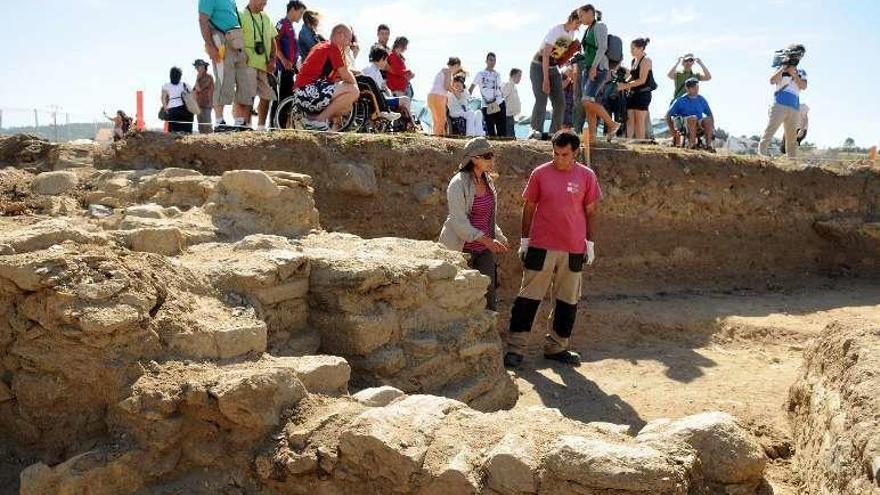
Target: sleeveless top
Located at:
point(636, 73)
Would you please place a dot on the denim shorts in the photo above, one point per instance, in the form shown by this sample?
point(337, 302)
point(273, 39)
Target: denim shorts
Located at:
point(591, 88)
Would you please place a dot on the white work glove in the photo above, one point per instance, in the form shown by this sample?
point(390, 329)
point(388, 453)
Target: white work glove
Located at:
point(591, 252)
point(523, 248)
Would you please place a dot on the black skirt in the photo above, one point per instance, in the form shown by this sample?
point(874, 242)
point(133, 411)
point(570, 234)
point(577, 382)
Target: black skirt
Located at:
point(639, 100)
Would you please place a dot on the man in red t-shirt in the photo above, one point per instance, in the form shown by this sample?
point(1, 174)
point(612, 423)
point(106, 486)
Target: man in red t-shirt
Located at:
point(561, 199)
point(325, 87)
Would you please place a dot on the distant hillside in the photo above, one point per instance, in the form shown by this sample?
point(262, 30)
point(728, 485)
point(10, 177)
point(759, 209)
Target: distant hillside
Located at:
point(63, 133)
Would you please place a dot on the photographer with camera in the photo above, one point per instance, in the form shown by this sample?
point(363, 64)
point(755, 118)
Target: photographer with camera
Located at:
point(259, 35)
point(785, 111)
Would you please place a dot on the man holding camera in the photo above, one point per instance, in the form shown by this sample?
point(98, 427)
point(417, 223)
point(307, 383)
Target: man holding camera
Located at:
point(259, 35)
point(789, 81)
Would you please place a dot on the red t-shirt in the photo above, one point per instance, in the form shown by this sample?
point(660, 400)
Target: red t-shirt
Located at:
point(321, 63)
point(396, 79)
point(560, 221)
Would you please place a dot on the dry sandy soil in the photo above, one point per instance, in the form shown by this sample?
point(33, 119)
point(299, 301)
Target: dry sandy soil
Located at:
point(668, 356)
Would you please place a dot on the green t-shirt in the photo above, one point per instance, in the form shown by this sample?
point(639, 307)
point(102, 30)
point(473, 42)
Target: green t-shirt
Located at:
point(257, 28)
point(680, 78)
point(591, 48)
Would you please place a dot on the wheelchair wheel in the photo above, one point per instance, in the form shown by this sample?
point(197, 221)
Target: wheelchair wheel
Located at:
point(357, 118)
point(288, 116)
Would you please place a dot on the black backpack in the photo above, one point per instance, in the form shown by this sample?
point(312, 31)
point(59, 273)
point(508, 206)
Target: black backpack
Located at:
point(614, 52)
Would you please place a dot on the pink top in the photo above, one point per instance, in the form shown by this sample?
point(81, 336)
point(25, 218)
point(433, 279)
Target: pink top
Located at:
point(560, 221)
point(481, 219)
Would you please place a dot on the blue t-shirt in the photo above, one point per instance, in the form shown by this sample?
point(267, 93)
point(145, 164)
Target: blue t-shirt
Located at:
point(223, 13)
point(787, 92)
point(690, 106)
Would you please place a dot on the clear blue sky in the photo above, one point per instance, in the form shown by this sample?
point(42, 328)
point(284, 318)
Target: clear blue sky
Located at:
point(91, 55)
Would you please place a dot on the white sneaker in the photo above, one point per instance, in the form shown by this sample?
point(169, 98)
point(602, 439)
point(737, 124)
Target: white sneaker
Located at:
point(534, 135)
point(316, 125)
point(390, 116)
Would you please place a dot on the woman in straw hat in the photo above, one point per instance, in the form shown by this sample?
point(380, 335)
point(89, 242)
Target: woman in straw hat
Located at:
point(471, 226)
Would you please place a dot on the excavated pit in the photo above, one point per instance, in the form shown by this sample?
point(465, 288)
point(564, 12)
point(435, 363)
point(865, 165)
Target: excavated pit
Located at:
point(163, 301)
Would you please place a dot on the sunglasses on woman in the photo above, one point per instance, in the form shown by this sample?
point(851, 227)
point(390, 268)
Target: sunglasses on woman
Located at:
point(487, 156)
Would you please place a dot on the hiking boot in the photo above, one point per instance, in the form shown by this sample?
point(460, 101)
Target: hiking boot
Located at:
point(565, 357)
point(512, 360)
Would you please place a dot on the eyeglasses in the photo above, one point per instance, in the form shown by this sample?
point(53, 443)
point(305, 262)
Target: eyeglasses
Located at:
point(487, 156)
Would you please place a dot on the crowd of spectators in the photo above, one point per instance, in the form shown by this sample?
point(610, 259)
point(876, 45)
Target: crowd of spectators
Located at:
point(578, 68)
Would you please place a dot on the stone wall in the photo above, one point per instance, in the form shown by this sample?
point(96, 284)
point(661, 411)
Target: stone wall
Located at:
point(286, 430)
point(670, 219)
point(404, 313)
point(835, 411)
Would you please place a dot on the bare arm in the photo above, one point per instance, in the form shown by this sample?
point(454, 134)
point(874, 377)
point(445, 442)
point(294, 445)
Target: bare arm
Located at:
point(447, 79)
point(346, 76)
point(644, 69)
point(590, 214)
point(205, 28)
point(471, 88)
point(545, 61)
point(674, 70)
point(164, 99)
point(777, 76)
point(796, 77)
point(528, 214)
point(706, 74)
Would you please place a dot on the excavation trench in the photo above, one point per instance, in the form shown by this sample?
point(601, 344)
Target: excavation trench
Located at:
point(699, 302)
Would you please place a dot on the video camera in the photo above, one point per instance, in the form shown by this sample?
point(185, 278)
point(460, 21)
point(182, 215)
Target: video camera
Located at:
point(619, 76)
point(790, 56)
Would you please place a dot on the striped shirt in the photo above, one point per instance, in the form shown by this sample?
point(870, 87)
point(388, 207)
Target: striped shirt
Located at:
point(481, 219)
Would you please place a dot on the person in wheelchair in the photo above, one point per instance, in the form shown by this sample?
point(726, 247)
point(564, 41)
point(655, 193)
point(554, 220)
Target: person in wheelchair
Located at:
point(390, 107)
point(465, 122)
point(690, 113)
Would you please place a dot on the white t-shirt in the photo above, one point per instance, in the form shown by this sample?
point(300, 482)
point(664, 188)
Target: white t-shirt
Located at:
point(175, 94)
point(375, 74)
point(457, 107)
point(560, 40)
point(787, 91)
point(489, 83)
point(439, 86)
point(511, 97)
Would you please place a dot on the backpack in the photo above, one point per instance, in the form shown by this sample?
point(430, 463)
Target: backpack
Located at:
point(614, 52)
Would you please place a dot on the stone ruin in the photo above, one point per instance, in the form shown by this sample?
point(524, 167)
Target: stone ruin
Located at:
point(170, 332)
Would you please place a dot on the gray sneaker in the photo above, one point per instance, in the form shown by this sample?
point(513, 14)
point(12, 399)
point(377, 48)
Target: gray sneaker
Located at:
point(316, 125)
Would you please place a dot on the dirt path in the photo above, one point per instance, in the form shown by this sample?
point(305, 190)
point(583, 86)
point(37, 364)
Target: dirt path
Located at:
point(675, 355)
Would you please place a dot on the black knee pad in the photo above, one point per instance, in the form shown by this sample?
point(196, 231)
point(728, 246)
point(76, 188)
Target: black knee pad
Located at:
point(563, 318)
point(523, 314)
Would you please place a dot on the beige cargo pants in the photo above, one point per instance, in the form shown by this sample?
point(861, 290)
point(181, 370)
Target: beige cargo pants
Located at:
point(788, 118)
point(544, 270)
